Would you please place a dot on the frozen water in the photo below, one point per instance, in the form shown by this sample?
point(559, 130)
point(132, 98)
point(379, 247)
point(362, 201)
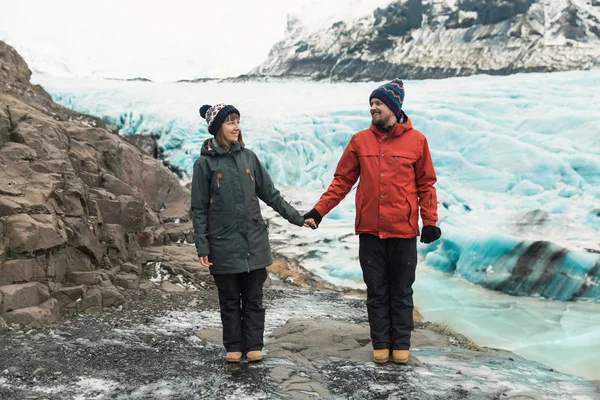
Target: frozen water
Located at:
point(518, 161)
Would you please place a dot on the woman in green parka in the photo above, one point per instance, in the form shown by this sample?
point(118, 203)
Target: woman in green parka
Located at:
point(230, 233)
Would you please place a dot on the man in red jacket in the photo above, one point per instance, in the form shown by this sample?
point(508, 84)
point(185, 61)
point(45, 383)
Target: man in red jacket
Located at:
point(396, 175)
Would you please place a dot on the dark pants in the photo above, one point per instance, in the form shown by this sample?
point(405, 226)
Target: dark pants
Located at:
point(388, 267)
point(242, 311)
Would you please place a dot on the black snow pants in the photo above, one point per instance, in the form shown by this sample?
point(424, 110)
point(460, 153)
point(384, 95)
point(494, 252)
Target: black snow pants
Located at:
point(242, 311)
point(389, 267)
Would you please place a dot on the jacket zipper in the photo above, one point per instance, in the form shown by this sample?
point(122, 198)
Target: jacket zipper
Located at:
point(219, 176)
point(430, 198)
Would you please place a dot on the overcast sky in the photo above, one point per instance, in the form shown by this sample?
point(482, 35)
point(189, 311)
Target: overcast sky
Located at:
point(166, 40)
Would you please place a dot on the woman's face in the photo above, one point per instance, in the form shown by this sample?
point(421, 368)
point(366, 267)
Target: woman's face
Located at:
point(231, 129)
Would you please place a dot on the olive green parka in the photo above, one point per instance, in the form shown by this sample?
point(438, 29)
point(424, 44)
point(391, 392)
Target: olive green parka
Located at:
point(228, 225)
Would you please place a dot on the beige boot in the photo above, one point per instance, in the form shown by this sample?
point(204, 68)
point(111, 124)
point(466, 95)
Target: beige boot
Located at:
point(254, 355)
point(400, 356)
point(233, 356)
point(381, 356)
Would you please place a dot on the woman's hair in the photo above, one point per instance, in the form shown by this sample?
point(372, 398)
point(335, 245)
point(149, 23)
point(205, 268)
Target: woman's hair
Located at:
point(220, 137)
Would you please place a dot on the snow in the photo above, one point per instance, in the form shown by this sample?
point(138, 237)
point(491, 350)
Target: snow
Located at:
point(314, 15)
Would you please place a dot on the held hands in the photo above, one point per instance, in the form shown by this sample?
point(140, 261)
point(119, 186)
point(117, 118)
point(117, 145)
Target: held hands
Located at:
point(312, 219)
point(310, 223)
point(430, 234)
point(204, 261)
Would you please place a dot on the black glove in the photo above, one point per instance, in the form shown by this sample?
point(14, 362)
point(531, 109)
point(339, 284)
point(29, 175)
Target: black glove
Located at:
point(314, 214)
point(430, 234)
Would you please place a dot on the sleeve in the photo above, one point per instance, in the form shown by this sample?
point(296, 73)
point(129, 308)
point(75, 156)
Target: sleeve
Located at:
point(266, 191)
point(425, 178)
point(346, 175)
point(200, 204)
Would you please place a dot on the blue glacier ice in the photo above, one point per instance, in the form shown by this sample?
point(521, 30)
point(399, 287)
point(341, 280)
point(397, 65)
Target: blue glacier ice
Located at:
point(518, 163)
point(501, 262)
point(503, 147)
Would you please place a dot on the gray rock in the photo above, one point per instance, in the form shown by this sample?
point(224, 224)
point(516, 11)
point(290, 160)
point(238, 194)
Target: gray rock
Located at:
point(8, 207)
point(84, 235)
point(22, 296)
point(68, 295)
point(111, 297)
point(73, 198)
point(92, 299)
point(127, 281)
point(28, 235)
point(88, 278)
point(132, 214)
point(129, 268)
point(172, 287)
point(118, 187)
point(146, 144)
point(35, 317)
point(21, 270)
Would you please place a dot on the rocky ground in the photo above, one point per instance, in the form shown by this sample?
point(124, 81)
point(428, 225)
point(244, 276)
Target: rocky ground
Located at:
point(164, 342)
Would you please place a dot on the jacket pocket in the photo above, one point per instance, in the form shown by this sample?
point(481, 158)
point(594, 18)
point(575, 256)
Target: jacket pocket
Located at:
point(407, 158)
point(358, 203)
point(219, 224)
point(413, 215)
point(258, 240)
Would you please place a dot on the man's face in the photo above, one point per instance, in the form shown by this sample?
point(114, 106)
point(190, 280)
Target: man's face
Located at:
point(381, 115)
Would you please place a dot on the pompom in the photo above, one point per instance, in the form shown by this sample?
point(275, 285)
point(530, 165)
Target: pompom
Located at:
point(203, 110)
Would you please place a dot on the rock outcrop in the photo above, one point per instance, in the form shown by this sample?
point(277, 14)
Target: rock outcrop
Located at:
point(77, 202)
point(421, 39)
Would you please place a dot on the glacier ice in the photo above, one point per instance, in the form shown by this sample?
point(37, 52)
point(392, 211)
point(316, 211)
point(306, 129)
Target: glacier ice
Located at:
point(504, 148)
point(517, 159)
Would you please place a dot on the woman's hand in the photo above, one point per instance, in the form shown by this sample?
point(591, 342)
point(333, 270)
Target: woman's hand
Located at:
point(310, 223)
point(204, 261)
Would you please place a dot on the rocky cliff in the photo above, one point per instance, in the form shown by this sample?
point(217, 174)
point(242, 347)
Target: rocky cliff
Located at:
point(77, 205)
point(420, 39)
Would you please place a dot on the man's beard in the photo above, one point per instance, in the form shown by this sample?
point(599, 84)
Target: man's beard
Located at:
point(380, 123)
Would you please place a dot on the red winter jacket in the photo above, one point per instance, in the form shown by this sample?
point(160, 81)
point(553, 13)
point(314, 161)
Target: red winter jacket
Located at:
point(396, 179)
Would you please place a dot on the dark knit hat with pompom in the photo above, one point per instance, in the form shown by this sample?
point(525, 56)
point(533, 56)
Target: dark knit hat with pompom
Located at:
point(392, 95)
point(215, 115)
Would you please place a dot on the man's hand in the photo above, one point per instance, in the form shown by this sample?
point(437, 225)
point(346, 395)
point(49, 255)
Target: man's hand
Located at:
point(430, 234)
point(313, 215)
point(204, 261)
point(310, 223)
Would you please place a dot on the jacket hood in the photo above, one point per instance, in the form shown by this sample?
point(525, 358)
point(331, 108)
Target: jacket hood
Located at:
point(210, 148)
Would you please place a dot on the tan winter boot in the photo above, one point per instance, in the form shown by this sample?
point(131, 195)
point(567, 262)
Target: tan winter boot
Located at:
point(233, 356)
point(400, 356)
point(381, 356)
point(254, 355)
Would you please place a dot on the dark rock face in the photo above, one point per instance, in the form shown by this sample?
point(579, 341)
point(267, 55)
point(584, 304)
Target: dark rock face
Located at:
point(494, 11)
point(399, 18)
point(74, 200)
point(424, 39)
point(147, 144)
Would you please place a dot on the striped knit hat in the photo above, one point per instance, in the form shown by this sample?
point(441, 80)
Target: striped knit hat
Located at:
point(392, 95)
point(215, 115)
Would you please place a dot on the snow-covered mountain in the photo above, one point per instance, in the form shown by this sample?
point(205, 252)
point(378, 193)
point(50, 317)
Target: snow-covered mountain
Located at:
point(419, 39)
